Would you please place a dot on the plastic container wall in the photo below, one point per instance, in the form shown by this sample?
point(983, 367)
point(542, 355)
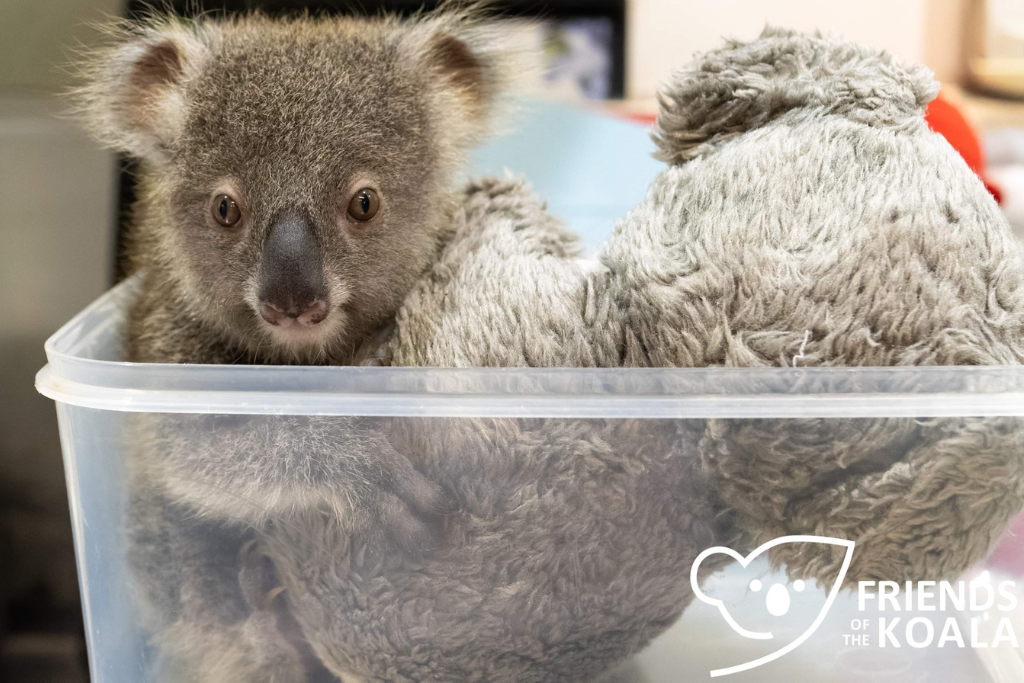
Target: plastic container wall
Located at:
point(98, 398)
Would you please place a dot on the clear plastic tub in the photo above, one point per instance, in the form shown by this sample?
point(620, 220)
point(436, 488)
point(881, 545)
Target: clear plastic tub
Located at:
point(101, 402)
point(96, 395)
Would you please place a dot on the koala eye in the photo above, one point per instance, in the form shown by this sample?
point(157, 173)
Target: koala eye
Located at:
point(364, 205)
point(225, 210)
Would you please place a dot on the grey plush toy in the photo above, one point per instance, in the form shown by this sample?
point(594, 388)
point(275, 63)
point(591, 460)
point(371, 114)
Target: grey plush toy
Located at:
point(807, 213)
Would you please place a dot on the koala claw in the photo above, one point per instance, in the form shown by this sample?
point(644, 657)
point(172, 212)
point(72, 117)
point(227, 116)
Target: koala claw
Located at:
point(411, 509)
point(405, 528)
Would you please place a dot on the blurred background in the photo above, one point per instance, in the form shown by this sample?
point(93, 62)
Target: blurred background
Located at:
point(62, 199)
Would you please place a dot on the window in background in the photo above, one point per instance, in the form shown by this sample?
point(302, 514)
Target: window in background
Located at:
point(995, 59)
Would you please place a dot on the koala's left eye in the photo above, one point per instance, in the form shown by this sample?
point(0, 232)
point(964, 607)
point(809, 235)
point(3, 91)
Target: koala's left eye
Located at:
point(364, 205)
point(225, 210)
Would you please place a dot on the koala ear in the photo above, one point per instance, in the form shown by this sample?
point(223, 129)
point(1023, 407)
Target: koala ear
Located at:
point(465, 71)
point(471, 63)
point(742, 86)
point(133, 94)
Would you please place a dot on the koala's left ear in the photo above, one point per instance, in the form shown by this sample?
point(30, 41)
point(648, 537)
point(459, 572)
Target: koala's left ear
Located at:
point(132, 96)
point(471, 63)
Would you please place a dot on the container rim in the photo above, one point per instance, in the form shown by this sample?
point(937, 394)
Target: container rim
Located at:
point(77, 375)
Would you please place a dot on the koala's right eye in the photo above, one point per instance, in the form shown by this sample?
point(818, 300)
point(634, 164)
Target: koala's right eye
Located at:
point(225, 210)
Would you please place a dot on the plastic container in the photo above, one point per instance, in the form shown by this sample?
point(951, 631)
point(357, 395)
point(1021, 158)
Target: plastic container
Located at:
point(98, 397)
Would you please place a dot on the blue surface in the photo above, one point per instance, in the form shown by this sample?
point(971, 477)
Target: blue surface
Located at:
point(590, 168)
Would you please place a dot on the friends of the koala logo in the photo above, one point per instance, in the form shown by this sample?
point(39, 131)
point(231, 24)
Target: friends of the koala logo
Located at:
point(976, 600)
point(777, 598)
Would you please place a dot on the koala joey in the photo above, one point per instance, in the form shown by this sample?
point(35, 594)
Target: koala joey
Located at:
point(297, 176)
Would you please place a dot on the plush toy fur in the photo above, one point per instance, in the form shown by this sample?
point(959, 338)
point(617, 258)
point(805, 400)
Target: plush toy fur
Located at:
point(836, 230)
point(807, 217)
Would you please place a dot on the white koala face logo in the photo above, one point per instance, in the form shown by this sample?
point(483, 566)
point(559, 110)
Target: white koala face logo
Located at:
point(777, 597)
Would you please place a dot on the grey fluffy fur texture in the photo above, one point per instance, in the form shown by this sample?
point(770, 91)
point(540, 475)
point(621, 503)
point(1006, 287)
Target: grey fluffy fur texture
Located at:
point(837, 229)
point(808, 215)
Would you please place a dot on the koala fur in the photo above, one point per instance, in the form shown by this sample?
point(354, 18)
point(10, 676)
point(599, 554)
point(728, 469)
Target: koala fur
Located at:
point(807, 216)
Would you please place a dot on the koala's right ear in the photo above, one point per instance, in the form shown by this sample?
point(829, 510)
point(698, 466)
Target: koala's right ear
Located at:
point(132, 96)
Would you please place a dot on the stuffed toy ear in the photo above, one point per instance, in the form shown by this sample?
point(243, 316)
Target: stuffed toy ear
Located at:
point(745, 85)
point(133, 94)
point(922, 499)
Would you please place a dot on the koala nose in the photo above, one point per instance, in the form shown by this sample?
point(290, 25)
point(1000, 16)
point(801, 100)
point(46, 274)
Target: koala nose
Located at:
point(308, 316)
point(292, 290)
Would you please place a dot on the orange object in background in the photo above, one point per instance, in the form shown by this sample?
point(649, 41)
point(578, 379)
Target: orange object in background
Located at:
point(945, 118)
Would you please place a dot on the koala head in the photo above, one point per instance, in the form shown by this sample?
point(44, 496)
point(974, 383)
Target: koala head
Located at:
point(296, 174)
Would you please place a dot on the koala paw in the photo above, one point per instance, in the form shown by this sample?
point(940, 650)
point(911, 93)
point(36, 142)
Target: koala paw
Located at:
point(407, 508)
point(278, 645)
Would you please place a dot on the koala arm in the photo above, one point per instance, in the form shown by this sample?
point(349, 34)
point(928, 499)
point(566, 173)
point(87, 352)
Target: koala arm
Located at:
point(252, 468)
